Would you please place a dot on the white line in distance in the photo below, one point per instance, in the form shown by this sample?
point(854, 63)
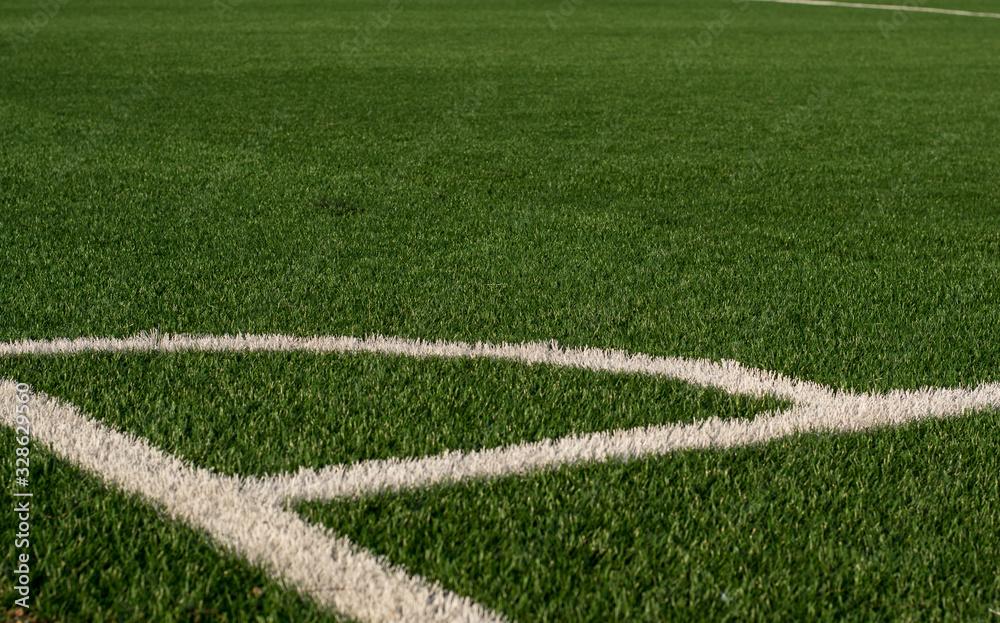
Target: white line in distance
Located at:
point(883, 7)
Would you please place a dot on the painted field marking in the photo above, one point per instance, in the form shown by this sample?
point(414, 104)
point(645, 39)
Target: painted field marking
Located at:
point(330, 569)
point(249, 514)
point(883, 7)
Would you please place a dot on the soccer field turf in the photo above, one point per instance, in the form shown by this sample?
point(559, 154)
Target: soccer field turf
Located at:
point(809, 191)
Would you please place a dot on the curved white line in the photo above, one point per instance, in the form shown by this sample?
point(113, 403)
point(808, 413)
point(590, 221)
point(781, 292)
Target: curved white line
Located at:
point(729, 376)
point(247, 514)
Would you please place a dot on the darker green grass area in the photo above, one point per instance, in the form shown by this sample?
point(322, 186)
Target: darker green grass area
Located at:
point(100, 555)
point(898, 524)
point(801, 193)
point(256, 413)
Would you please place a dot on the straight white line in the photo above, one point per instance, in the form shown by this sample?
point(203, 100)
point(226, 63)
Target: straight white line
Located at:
point(836, 413)
point(883, 7)
point(330, 569)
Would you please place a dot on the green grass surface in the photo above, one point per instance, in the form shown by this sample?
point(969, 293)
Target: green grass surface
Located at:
point(894, 525)
point(800, 194)
point(100, 555)
point(488, 177)
point(271, 413)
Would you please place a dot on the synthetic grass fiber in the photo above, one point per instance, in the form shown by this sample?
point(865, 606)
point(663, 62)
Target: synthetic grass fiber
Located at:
point(805, 196)
point(801, 189)
point(99, 555)
point(886, 526)
point(271, 413)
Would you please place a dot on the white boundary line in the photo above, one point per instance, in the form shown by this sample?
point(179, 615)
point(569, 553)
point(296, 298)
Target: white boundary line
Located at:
point(729, 376)
point(883, 7)
point(844, 413)
point(330, 569)
point(248, 514)
point(815, 407)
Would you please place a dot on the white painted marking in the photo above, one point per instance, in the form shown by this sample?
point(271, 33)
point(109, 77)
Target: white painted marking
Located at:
point(832, 412)
point(816, 407)
point(247, 514)
point(393, 474)
point(729, 376)
point(330, 569)
point(883, 7)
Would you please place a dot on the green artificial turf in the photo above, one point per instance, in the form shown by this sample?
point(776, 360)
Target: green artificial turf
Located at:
point(806, 195)
point(802, 191)
point(270, 413)
point(894, 525)
point(100, 555)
